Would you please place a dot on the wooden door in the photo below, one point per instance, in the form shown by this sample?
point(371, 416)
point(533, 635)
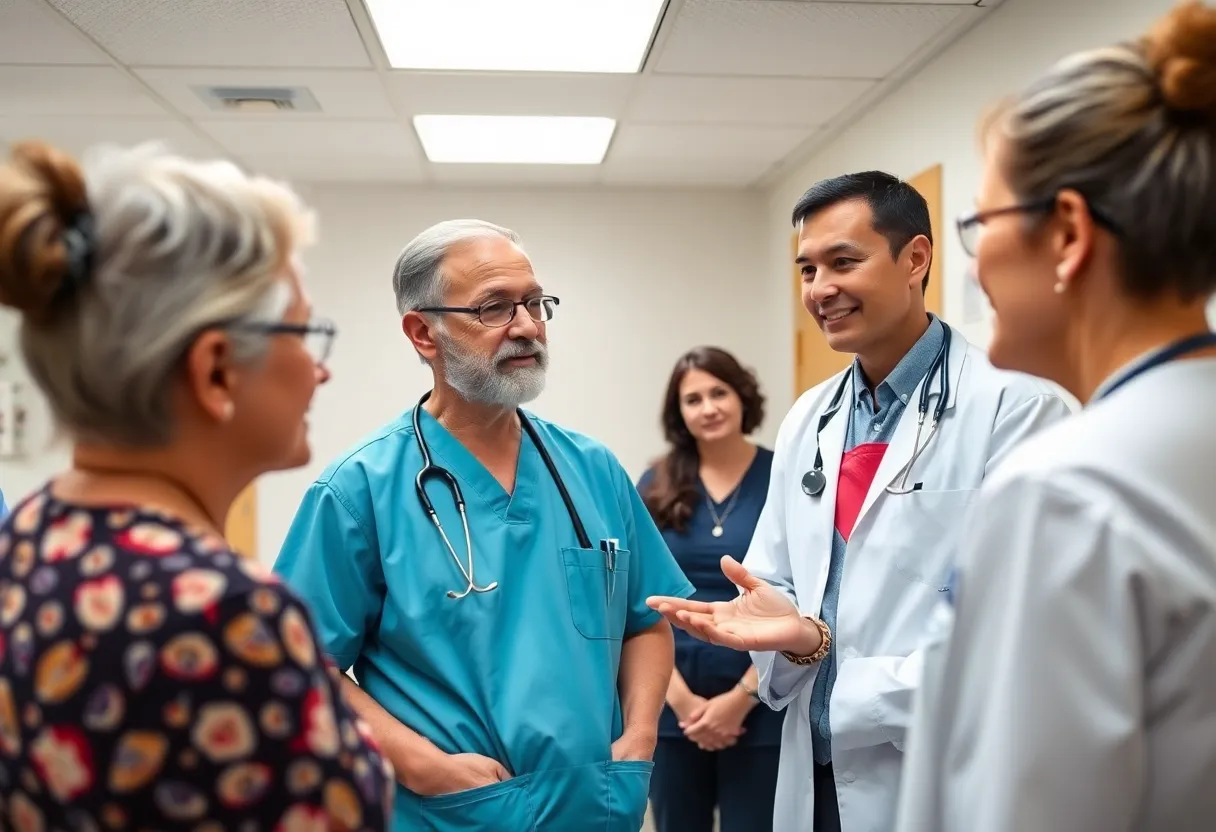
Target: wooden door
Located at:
point(814, 360)
point(242, 526)
point(929, 183)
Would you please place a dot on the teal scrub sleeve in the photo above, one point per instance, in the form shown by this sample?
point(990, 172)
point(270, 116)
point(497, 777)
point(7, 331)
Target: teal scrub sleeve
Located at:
point(330, 561)
point(652, 570)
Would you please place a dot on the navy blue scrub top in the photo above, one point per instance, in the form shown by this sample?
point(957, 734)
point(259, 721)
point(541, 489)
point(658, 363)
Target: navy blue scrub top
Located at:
point(708, 669)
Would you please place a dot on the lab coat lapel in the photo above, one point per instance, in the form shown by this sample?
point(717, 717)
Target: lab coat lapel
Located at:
point(958, 363)
point(831, 446)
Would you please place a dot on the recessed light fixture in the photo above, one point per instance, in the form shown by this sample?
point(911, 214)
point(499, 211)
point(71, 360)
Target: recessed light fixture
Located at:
point(516, 35)
point(515, 140)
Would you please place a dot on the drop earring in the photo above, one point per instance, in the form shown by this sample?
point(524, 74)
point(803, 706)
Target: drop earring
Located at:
point(1061, 280)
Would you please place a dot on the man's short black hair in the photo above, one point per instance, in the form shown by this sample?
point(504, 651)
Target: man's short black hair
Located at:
point(900, 212)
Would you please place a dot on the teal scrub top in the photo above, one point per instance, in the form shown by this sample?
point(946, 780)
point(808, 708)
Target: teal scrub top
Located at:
point(525, 674)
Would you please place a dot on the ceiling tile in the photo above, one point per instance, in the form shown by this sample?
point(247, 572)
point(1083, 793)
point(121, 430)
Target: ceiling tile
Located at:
point(768, 101)
point(72, 91)
point(75, 135)
point(32, 34)
point(296, 33)
point(897, 2)
point(336, 139)
point(798, 39)
point(420, 93)
point(682, 172)
point(516, 174)
point(340, 94)
point(343, 167)
point(727, 143)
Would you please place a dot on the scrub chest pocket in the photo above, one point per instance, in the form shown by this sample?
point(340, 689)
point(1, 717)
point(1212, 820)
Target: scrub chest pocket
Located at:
point(599, 591)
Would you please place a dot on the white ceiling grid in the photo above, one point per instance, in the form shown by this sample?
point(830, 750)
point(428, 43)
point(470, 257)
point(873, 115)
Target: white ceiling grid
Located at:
point(731, 89)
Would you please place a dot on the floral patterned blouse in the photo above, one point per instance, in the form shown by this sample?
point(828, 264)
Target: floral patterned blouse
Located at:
point(152, 679)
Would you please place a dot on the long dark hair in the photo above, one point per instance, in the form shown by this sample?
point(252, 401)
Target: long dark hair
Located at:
point(672, 493)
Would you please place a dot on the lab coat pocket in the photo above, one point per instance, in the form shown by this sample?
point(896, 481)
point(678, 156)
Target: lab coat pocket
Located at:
point(599, 591)
point(628, 788)
point(501, 805)
point(923, 529)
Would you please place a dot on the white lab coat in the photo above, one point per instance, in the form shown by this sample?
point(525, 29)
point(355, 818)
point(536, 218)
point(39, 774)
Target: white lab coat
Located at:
point(1072, 686)
point(897, 565)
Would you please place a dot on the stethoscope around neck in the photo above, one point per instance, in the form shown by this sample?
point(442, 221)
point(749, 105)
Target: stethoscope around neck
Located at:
point(815, 481)
point(431, 470)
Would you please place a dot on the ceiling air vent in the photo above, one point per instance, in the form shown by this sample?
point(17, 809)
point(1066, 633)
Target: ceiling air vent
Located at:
point(258, 99)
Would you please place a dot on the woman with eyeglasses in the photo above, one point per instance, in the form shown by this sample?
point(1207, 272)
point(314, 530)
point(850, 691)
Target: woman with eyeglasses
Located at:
point(151, 678)
point(1072, 683)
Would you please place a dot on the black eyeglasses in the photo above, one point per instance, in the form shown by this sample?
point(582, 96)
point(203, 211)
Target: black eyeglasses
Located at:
point(318, 334)
point(500, 312)
point(969, 227)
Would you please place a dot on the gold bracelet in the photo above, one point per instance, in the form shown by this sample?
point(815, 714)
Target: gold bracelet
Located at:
point(819, 655)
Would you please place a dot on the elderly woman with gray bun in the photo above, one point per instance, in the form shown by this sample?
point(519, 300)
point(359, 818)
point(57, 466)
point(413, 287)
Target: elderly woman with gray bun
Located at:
point(150, 678)
point(1072, 683)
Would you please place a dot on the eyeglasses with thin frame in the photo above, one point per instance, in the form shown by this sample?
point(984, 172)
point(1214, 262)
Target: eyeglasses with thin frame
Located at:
point(318, 334)
point(500, 311)
point(970, 227)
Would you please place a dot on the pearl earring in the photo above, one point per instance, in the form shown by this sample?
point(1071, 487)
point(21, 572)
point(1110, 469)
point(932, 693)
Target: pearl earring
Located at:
point(228, 411)
point(1061, 279)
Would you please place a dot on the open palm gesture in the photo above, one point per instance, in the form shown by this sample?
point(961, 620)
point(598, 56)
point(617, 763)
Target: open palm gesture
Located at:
point(760, 619)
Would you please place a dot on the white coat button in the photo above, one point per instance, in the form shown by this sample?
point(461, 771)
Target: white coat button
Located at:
point(848, 776)
point(849, 652)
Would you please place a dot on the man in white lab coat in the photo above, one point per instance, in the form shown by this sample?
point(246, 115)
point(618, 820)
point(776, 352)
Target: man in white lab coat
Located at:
point(854, 546)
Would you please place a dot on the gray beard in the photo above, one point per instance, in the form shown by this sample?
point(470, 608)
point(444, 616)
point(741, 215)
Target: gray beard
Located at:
point(486, 381)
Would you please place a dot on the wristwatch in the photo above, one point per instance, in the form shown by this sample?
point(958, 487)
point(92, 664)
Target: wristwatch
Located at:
point(824, 646)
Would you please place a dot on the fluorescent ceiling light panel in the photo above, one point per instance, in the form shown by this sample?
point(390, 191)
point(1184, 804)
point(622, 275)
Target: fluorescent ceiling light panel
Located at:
point(516, 35)
point(515, 140)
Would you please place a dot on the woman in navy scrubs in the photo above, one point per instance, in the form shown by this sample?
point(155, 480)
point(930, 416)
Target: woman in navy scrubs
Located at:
point(716, 747)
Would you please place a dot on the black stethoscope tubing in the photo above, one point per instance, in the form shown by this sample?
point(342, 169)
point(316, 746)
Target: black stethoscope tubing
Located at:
point(814, 481)
point(430, 470)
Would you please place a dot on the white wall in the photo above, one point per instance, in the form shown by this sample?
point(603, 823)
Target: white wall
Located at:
point(642, 277)
point(932, 120)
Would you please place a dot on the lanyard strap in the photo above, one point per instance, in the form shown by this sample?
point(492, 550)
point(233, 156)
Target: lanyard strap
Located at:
point(1176, 350)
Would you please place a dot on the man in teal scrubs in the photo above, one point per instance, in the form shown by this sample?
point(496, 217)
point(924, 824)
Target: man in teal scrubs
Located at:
point(514, 676)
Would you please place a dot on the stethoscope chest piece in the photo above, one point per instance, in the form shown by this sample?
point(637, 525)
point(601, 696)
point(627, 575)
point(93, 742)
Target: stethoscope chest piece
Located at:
point(813, 482)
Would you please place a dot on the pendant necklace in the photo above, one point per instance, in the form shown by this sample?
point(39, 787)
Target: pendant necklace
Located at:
point(720, 521)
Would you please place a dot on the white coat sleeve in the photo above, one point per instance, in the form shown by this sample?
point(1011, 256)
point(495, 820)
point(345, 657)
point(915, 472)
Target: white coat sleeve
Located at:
point(768, 558)
point(1037, 693)
point(872, 696)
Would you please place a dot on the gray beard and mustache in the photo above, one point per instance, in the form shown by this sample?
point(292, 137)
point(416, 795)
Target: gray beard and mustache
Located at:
point(487, 381)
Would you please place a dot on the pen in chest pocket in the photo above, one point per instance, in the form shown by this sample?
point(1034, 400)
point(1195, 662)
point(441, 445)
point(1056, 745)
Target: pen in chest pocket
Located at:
point(609, 547)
